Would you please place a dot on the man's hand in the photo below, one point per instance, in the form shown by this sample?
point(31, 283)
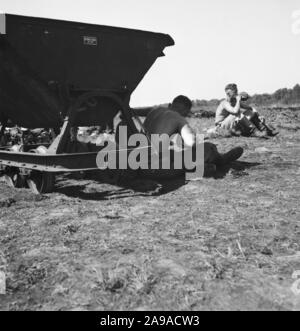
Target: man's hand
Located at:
point(238, 98)
point(234, 110)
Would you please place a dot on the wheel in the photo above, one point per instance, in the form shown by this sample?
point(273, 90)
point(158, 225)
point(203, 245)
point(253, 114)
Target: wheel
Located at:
point(41, 182)
point(14, 179)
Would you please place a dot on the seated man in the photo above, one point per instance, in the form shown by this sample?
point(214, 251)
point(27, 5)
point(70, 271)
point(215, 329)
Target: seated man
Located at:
point(172, 121)
point(236, 117)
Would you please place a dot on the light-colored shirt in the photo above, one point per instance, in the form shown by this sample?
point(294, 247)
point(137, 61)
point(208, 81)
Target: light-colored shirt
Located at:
point(223, 112)
point(225, 109)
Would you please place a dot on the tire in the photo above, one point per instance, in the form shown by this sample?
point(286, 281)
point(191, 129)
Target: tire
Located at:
point(41, 182)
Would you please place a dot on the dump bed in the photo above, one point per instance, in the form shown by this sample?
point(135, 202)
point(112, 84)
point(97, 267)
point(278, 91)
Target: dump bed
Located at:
point(42, 58)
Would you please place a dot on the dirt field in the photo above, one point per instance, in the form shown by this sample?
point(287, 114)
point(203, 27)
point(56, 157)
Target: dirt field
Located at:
point(225, 243)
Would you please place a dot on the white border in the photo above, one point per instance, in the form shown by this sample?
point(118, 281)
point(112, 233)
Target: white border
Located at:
point(2, 23)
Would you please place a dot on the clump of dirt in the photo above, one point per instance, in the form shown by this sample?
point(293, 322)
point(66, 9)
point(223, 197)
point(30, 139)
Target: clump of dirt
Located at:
point(7, 202)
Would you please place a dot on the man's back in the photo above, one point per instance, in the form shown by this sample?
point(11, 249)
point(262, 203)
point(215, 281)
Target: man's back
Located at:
point(164, 121)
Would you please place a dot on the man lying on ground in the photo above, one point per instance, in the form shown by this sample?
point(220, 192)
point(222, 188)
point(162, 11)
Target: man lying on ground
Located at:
point(236, 117)
point(171, 120)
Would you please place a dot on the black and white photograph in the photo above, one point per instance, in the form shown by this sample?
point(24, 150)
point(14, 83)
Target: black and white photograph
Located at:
point(149, 158)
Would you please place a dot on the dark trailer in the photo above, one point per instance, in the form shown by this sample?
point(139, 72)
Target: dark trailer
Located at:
point(59, 74)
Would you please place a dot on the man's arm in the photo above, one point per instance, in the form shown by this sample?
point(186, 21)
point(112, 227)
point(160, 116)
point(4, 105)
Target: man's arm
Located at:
point(233, 110)
point(188, 136)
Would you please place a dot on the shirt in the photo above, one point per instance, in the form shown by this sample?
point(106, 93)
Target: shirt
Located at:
point(221, 113)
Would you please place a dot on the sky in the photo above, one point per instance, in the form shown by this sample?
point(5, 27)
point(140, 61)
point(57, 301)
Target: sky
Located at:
point(255, 44)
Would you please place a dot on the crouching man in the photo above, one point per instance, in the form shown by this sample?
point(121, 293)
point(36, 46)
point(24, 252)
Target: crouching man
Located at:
point(236, 117)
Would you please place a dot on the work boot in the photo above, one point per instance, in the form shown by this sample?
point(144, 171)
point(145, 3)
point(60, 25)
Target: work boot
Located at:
point(258, 123)
point(231, 156)
point(271, 132)
point(259, 134)
point(263, 127)
point(209, 169)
